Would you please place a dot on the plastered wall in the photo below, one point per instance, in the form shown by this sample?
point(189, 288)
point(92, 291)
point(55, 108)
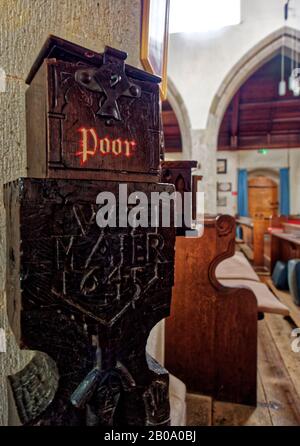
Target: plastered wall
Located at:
point(24, 26)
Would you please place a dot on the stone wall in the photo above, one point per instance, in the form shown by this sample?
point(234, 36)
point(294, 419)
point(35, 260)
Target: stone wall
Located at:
point(24, 26)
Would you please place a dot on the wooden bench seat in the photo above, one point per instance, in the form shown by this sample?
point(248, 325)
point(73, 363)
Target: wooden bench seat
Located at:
point(239, 241)
point(266, 301)
point(211, 335)
point(236, 267)
point(237, 272)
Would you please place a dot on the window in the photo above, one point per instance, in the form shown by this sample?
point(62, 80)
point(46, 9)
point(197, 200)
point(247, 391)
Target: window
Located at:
point(203, 15)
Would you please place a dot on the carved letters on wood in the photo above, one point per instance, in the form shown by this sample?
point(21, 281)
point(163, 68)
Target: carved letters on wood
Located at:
point(84, 297)
point(118, 109)
point(74, 107)
point(84, 293)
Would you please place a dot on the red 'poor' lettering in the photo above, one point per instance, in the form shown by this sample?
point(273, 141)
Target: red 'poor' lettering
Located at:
point(91, 144)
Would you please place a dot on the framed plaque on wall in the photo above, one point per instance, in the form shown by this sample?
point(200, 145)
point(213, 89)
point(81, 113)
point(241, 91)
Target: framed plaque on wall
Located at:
point(221, 166)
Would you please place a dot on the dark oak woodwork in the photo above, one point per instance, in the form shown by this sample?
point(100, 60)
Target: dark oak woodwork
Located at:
point(61, 49)
point(258, 117)
point(87, 297)
point(73, 97)
point(260, 228)
point(172, 134)
point(179, 173)
point(211, 335)
point(235, 119)
point(254, 231)
point(283, 248)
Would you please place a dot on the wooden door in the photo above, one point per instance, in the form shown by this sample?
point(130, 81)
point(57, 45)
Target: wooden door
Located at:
point(262, 197)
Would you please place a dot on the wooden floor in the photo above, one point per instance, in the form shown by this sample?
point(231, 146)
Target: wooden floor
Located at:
point(278, 382)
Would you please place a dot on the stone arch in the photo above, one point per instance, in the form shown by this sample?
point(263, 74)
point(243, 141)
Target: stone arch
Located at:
point(260, 54)
point(242, 70)
point(271, 173)
point(181, 112)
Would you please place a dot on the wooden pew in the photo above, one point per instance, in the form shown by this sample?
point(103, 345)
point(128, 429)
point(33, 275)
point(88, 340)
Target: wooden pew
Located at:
point(237, 271)
point(211, 335)
point(285, 241)
point(247, 230)
point(284, 247)
point(254, 230)
point(256, 236)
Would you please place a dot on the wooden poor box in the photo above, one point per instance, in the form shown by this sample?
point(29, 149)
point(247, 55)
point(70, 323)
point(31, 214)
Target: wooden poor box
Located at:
point(86, 297)
point(90, 115)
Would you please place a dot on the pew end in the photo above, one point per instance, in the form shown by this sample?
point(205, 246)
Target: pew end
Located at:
point(211, 335)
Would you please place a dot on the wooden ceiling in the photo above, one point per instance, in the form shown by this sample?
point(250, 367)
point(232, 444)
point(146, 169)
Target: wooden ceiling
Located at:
point(257, 117)
point(173, 142)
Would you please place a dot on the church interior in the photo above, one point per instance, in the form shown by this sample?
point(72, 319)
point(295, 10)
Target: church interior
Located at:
point(186, 326)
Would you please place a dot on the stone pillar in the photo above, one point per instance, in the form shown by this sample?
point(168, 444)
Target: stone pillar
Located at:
point(23, 30)
point(205, 153)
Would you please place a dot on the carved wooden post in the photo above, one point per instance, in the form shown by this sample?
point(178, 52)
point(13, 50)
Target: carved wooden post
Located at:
point(259, 230)
point(179, 173)
point(221, 359)
point(83, 296)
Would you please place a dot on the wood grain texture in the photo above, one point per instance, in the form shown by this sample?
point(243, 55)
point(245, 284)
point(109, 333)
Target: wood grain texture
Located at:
point(253, 235)
point(262, 197)
point(172, 133)
point(260, 226)
point(179, 173)
point(211, 336)
point(286, 298)
point(257, 116)
point(228, 414)
point(22, 33)
point(199, 410)
point(281, 330)
point(281, 395)
point(247, 230)
point(277, 401)
point(88, 297)
point(283, 249)
point(126, 111)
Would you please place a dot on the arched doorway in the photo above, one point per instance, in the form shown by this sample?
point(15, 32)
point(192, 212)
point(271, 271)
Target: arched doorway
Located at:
point(262, 197)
